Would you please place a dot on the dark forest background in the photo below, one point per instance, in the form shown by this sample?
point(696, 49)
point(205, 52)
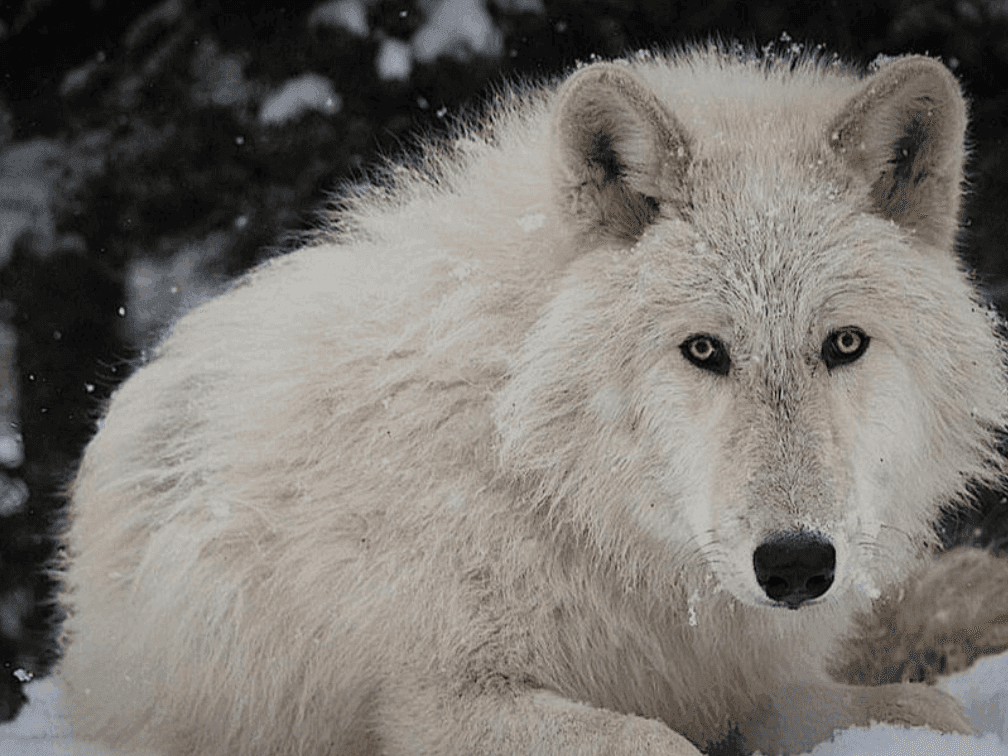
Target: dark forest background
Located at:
point(150, 151)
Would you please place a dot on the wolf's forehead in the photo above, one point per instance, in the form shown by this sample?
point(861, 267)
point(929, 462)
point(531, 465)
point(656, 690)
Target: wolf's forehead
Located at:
point(767, 276)
point(769, 243)
point(774, 268)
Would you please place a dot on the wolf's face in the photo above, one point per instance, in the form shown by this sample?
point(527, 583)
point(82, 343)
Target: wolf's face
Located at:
point(793, 387)
point(767, 360)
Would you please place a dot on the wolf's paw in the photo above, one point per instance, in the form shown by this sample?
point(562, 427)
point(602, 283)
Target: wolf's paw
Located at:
point(587, 730)
point(642, 737)
point(952, 611)
point(916, 705)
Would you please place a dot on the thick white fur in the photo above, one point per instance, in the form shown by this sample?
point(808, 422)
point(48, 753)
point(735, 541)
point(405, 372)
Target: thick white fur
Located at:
point(443, 482)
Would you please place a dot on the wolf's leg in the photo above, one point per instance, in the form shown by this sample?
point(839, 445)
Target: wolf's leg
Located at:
point(952, 611)
point(808, 715)
point(914, 705)
point(417, 719)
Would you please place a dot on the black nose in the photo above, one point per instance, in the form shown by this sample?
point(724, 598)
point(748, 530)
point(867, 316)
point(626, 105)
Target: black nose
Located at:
point(795, 567)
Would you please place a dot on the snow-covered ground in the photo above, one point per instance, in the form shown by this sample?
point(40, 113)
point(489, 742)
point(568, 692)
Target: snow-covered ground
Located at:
point(983, 690)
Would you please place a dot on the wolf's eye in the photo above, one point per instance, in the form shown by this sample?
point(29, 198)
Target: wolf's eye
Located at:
point(706, 352)
point(843, 346)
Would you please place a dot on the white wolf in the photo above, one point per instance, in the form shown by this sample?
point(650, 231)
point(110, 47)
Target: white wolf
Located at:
point(589, 431)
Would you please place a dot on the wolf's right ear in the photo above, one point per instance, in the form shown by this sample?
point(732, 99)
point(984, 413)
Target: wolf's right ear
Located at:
point(620, 153)
point(903, 135)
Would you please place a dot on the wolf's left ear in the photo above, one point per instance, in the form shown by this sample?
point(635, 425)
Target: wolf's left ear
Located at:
point(620, 154)
point(903, 134)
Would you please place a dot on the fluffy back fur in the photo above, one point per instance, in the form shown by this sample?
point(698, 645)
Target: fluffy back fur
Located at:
point(432, 479)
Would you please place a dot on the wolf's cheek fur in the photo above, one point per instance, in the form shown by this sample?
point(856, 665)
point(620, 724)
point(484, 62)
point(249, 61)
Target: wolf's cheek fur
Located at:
point(878, 438)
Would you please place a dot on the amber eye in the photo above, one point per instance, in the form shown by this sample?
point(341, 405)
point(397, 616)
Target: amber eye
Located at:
point(706, 353)
point(843, 346)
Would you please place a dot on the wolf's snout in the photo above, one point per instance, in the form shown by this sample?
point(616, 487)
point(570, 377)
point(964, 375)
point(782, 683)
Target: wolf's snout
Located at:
point(795, 567)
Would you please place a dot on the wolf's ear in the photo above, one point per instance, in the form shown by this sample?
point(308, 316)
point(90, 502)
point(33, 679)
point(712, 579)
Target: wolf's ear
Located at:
point(620, 153)
point(903, 134)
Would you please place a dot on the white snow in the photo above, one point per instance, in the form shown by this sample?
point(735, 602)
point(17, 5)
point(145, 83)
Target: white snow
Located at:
point(458, 28)
point(983, 691)
point(13, 491)
point(309, 91)
point(350, 15)
point(394, 61)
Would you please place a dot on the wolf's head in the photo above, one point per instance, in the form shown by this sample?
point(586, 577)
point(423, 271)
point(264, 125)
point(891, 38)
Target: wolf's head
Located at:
point(766, 361)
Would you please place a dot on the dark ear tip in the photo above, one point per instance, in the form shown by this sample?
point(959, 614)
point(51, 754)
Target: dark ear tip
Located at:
point(921, 67)
point(599, 72)
point(918, 62)
point(597, 76)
